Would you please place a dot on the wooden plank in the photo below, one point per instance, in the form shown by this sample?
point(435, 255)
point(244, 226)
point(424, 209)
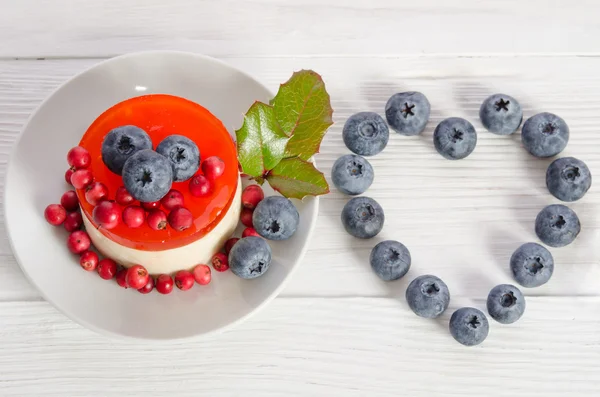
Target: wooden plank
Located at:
point(67, 28)
point(316, 347)
point(461, 220)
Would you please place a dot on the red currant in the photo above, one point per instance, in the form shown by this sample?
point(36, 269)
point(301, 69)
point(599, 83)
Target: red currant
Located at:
point(164, 284)
point(96, 192)
point(180, 218)
point(107, 214)
point(251, 196)
point(134, 216)
point(202, 274)
point(55, 214)
point(230, 243)
point(69, 200)
point(151, 205)
point(246, 217)
point(213, 167)
point(123, 197)
point(157, 220)
point(107, 268)
point(78, 242)
point(220, 262)
point(89, 260)
point(81, 178)
point(249, 231)
point(79, 157)
point(146, 289)
point(122, 277)
point(184, 280)
point(68, 175)
point(137, 276)
point(73, 222)
point(172, 200)
point(200, 186)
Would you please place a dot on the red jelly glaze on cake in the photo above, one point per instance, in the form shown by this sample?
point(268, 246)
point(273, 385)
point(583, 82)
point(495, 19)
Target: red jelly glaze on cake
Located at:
point(161, 116)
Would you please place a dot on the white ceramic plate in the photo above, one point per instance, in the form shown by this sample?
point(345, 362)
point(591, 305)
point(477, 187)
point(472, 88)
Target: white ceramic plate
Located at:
point(35, 178)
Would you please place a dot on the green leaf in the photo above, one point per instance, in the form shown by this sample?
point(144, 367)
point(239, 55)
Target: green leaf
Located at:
point(303, 110)
point(296, 178)
point(261, 142)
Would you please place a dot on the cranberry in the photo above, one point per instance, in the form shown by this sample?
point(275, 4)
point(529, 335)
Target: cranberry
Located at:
point(172, 200)
point(79, 157)
point(251, 196)
point(246, 217)
point(220, 262)
point(107, 268)
point(230, 243)
point(184, 280)
point(123, 197)
point(134, 216)
point(146, 289)
point(180, 218)
point(164, 284)
point(250, 231)
point(137, 276)
point(200, 186)
point(81, 178)
point(107, 214)
point(96, 192)
point(157, 220)
point(151, 205)
point(202, 274)
point(55, 214)
point(213, 167)
point(73, 222)
point(122, 277)
point(68, 175)
point(69, 200)
point(78, 242)
point(89, 260)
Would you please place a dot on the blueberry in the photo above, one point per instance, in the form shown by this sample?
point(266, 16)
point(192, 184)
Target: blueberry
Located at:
point(545, 135)
point(531, 265)
point(275, 218)
point(121, 143)
point(454, 138)
point(469, 326)
point(352, 174)
point(366, 133)
point(557, 225)
point(147, 176)
point(183, 155)
point(505, 303)
point(568, 179)
point(407, 112)
point(428, 296)
point(390, 260)
point(501, 114)
point(250, 257)
point(363, 217)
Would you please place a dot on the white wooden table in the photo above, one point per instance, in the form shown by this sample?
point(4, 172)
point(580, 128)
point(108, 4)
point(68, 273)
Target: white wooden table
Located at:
point(337, 330)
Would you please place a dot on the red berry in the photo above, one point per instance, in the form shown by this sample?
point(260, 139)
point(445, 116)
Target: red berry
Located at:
point(68, 175)
point(55, 214)
point(180, 218)
point(89, 260)
point(157, 220)
point(200, 186)
point(146, 289)
point(69, 200)
point(220, 262)
point(184, 280)
point(251, 196)
point(213, 167)
point(73, 222)
point(172, 200)
point(202, 274)
point(79, 157)
point(134, 216)
point(96, 192)
point(107, 214)
point(81, 178)
point(151, 205)
point(123, 197)
point(230, 243)
point(78, 242)
point(137, 276)
point(107, 268)
point(250, 231)
point(246, 217)
point(122, 277)
point(164, 284)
